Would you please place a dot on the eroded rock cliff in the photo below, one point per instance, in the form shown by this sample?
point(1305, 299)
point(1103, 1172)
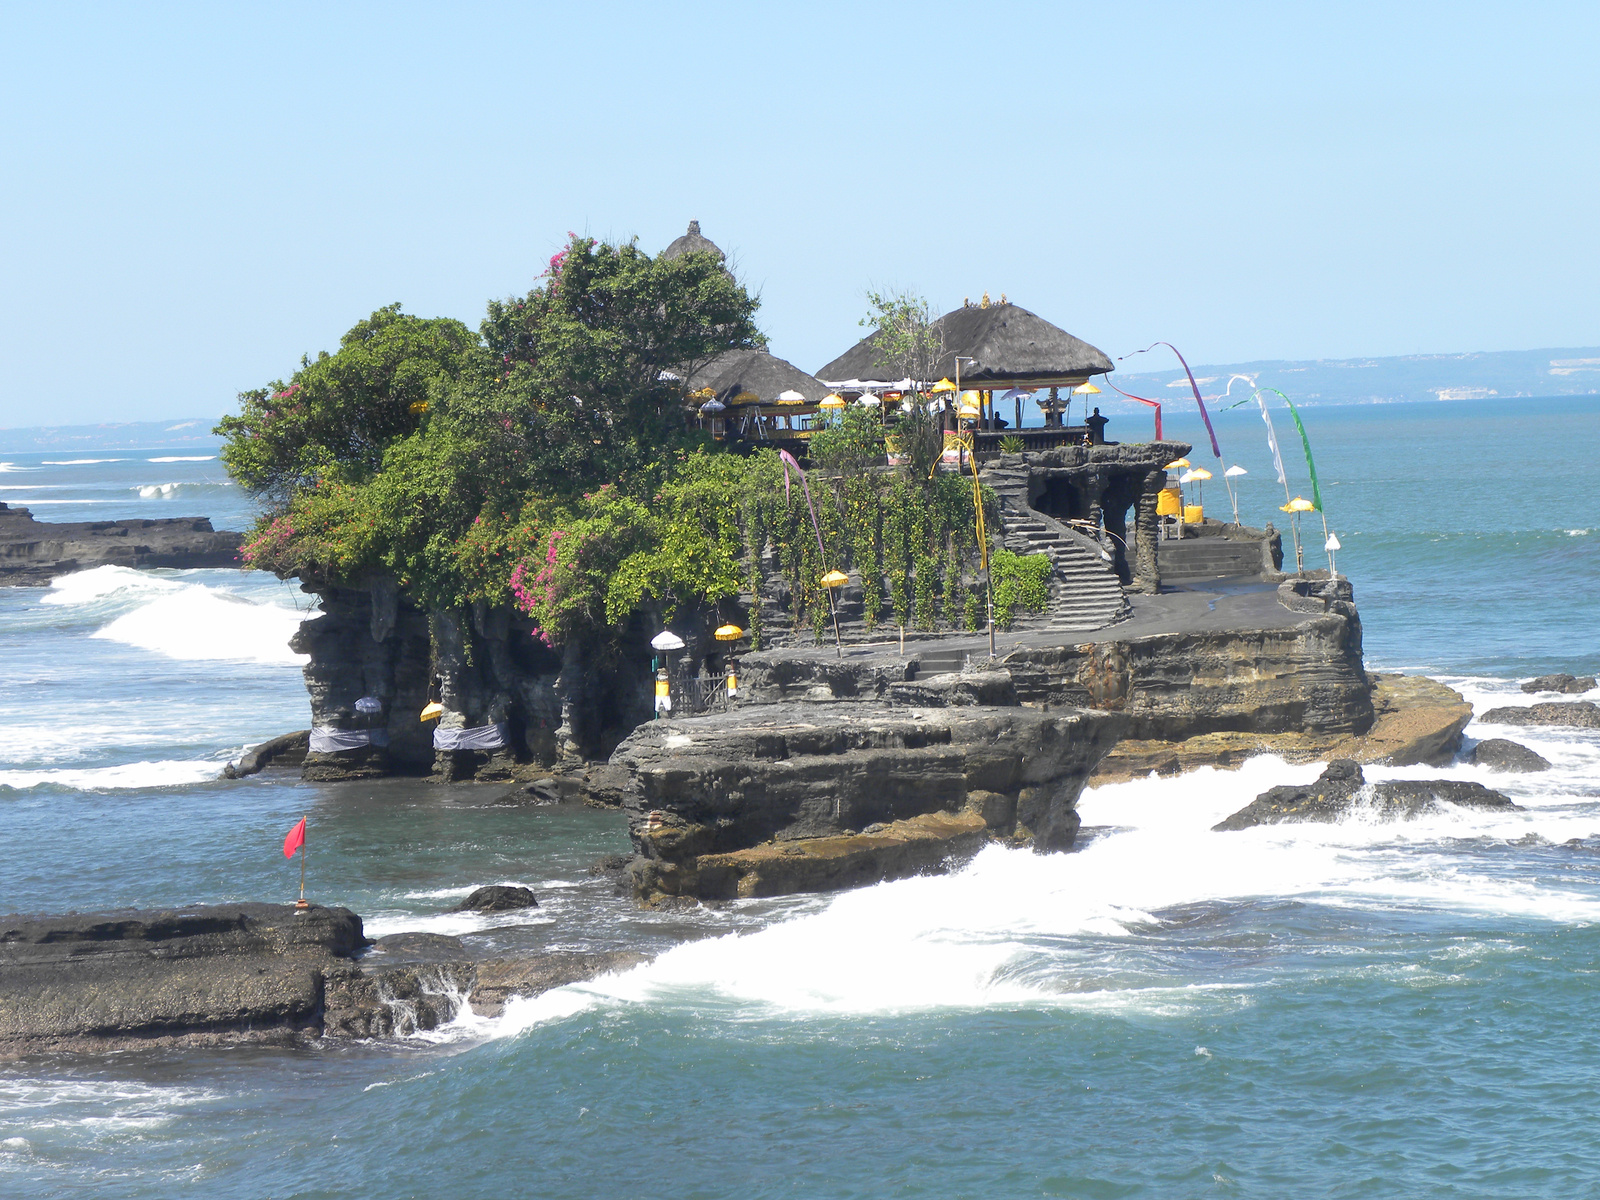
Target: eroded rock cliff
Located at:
point(708, 799)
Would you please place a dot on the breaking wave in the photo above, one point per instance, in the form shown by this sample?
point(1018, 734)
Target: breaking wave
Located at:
point(180, 619)
point(118, 778)
point(1019, 930)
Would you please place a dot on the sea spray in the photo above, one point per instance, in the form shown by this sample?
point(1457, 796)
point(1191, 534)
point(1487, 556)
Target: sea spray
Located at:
point(175, 617)
point(1016, 930)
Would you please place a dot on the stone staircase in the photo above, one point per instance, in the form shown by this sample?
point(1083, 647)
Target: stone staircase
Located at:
point(1085, 593)
point(1194, 559)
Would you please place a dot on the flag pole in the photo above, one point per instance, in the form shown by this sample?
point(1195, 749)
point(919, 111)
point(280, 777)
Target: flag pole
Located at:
point(302, 902)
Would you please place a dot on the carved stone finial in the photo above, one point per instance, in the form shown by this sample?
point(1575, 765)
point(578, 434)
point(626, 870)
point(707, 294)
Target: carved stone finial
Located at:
point(694, 227)
point(985, 301)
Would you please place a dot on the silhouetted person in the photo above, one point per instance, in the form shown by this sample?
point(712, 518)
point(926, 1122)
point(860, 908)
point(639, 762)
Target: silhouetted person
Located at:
point(1097, 428)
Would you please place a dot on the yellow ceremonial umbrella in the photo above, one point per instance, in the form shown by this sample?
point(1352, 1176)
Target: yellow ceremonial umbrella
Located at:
point(431, 710)
point(944, 385)
point(1294, 508)
point(832, 400)
point(1086, 389)
point(835, 579)
point(728, 633)
point(1176, 463)
point(1196, 475)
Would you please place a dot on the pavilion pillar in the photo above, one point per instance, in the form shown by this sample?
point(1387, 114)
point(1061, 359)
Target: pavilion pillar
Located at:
point(1146, 563)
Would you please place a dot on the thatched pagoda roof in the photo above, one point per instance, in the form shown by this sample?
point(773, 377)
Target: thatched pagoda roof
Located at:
point(756, 371)
point(1012, 348)
point(691, 242)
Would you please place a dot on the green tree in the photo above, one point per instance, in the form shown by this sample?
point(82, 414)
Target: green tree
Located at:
point(849, 443)
point(339, 412)
point(587, 369)
point(908, 343)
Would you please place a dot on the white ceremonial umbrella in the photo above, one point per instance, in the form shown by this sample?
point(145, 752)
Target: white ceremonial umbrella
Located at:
point(1234, 472)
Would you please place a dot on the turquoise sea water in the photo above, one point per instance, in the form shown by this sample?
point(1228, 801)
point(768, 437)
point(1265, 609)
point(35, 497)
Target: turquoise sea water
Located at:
point(1358, 1010)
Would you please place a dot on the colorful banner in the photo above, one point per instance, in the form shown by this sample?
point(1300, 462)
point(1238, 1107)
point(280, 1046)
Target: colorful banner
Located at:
point(1155, 404)
point(1305, 442)
point(1193, 386)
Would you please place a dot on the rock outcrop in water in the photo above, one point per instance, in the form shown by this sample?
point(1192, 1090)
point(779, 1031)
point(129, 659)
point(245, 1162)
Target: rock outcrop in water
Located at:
point(1342, 790)
point(1574, 714)
point(32, 553)
point(244, 972)
point(1570, 685)
point(795, 797)
point(1498, 754)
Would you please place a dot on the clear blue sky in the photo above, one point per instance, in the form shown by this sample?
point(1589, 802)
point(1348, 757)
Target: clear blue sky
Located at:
point(195, 195)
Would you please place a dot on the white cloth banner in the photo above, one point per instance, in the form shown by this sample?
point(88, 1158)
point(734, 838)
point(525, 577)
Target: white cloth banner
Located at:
point(481, 737)
point(330, 741)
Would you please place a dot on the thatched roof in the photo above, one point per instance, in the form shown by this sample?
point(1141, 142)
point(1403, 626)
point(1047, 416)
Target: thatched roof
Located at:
point(1012, 348)
point(691, 242)
point(756, 371)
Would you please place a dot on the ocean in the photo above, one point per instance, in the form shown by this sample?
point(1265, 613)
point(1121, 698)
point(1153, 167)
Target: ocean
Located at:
point(1354, 1010)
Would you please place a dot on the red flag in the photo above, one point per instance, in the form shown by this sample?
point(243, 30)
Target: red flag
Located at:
point(296, 839)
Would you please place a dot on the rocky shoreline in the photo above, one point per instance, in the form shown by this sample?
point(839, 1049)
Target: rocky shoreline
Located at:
point(240, 973)
point(32, 553)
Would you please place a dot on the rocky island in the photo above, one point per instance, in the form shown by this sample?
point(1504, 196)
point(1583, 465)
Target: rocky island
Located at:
point(809, 632)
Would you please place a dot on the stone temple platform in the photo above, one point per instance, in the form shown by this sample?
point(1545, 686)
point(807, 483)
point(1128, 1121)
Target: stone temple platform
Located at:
point(835, 770)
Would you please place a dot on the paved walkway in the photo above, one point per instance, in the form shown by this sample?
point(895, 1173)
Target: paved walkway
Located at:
point(1216, 605)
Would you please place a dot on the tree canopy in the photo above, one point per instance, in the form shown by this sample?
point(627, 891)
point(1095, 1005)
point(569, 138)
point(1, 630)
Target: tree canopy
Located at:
point(545, 463)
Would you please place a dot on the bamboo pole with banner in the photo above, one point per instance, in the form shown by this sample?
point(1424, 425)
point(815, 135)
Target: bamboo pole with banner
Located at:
point(788, 460)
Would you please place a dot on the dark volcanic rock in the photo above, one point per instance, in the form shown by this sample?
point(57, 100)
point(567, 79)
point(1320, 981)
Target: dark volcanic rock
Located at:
point(285, 750)
point(32, 553)
point(498, 897)
point(246, 972)
point(1342, 789)
point(1569, 684)
point(1498, 754)
point(239, 969)
point(729, 783)
point(1576, 714)
point(501, 979)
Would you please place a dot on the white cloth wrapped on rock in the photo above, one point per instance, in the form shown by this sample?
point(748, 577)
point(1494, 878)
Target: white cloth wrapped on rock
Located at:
point(479, 737)
point(330, 741)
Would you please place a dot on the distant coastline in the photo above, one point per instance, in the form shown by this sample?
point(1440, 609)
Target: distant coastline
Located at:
point(1500, 375)
point(111, 435)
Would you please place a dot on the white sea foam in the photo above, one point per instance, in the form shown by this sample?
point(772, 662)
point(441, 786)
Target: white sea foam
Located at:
point(119, 778)
point(181, 619)
point(183, 458)
point(1015, 929)
point(79, 462)
point(92, 1107)
point(196, 623)
point(157, 491)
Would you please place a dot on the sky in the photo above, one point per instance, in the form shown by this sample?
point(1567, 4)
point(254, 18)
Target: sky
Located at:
point(195, 195)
